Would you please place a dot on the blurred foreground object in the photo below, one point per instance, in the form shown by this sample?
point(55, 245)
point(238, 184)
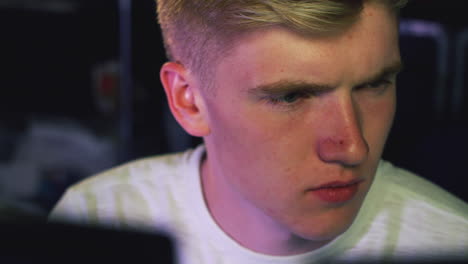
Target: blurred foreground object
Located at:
point(37, 242)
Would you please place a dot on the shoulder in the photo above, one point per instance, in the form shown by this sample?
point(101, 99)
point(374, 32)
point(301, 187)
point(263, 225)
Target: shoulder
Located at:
point(421, 216)
point(142, 170)
point(135, 193)
point(406, 188)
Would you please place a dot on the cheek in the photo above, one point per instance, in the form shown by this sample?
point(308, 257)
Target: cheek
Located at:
point(255, 143)
point(249, 126)
point(378, 119)
point(233, 132)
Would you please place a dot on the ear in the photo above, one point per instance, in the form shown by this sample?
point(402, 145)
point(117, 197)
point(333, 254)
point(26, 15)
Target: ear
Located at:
point(185, 102)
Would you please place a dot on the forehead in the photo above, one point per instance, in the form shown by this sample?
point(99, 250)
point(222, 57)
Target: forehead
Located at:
point(275, 54)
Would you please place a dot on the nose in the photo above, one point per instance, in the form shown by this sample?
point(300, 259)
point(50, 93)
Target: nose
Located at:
point(342, 140)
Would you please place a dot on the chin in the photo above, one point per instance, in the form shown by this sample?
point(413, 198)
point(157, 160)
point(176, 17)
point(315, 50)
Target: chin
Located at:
point(327, 233)
point(329, 225)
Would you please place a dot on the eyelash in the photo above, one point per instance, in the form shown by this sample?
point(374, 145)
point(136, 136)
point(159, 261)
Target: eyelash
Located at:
point(283, 99)
point(380, 85)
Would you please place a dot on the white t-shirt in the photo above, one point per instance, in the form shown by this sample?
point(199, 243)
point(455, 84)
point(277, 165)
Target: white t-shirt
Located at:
point(404, 217)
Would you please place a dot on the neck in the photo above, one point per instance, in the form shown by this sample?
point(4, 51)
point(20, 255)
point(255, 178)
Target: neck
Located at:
point(245, 223)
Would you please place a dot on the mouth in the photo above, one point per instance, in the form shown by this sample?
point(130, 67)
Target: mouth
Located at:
point(337, 191)
point(338, 184)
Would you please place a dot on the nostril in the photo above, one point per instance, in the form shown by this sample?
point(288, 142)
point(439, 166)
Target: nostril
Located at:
point(343, 151)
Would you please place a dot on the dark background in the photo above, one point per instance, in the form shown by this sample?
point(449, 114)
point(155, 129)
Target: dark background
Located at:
point(51, 49)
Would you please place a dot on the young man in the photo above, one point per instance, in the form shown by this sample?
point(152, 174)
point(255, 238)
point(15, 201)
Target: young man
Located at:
point(294, 100)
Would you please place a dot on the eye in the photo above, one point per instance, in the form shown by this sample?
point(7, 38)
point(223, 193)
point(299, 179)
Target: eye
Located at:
point(378, 86)
point(288, 98)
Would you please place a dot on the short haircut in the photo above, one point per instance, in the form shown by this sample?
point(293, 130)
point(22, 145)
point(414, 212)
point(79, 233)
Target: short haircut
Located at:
point(197, 33)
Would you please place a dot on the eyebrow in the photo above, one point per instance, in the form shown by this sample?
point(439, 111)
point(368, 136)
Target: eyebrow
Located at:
point(287, 86)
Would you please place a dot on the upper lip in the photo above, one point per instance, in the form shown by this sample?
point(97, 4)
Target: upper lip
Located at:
point(337, 184)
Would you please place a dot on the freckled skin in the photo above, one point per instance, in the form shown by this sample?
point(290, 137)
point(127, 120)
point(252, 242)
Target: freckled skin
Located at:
point(263, 160)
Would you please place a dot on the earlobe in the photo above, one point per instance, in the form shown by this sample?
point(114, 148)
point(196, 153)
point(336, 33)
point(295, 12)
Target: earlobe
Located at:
point(182, 96)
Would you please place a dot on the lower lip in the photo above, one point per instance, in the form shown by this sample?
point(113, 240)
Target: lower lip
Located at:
point(337, 194)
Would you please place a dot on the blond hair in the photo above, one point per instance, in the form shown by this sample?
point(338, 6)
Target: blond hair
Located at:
point(197, 32)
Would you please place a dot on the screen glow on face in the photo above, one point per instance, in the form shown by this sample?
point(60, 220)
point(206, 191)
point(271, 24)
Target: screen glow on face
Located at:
point(292, 113)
